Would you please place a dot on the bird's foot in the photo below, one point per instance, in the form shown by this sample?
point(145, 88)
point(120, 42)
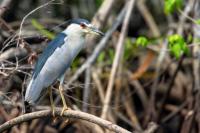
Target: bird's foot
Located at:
point(53, 113)
point(63, 110)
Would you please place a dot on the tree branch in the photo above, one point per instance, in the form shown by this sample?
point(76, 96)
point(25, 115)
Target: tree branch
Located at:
point(68, 114)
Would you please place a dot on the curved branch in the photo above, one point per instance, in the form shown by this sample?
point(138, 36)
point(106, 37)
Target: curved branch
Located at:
point(68, 114)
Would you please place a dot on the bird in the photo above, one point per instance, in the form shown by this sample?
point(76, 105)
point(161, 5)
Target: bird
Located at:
point(55, 60)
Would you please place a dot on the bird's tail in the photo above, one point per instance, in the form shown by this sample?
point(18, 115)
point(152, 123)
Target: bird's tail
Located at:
point(27, 107)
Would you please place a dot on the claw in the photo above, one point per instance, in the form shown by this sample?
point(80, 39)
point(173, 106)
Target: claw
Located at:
point(53, 113)
point(63, 110)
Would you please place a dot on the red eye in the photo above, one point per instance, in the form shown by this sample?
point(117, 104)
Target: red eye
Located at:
point(82, 25)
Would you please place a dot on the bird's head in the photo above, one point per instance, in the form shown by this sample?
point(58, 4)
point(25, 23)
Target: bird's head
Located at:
point(81, 27)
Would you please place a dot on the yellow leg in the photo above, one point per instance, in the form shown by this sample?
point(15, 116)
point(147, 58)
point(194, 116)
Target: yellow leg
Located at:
point(51, 101)
point(63, 99)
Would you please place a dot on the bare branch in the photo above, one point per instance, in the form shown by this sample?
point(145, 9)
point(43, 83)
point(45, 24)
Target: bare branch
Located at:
point(68, 114)
point(102, 14)
point(118, 55)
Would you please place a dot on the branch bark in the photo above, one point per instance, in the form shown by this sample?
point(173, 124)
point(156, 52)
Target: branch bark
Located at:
point(68, 114)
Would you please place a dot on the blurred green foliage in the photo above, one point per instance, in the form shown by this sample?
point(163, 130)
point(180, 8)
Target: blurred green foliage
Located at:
point(171, 5)
point(197, 21)
point(42, 29)
point(129, 51)
point(75, 64)
point(99, 2)
point(142, 41)
point(101, 57)
point(111, 53)
point(177, 45)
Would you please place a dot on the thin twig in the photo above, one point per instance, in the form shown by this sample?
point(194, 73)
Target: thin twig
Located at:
point(87, 89)
point(196, 65)
point(172, 114)
point(31, 12)
point(170, 85)
point(151, 128)
point(117, 57)
point(148, 18)
point(98, 84)
point(102, 13)
point(7, 117)
point(99, 19)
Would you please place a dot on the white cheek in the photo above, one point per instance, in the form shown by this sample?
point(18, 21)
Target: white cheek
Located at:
point(73, 29)
point(85, 31)
point(90, 25)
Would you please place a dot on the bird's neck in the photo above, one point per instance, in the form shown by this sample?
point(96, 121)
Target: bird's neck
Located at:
point(75, 43)
point(75, 40)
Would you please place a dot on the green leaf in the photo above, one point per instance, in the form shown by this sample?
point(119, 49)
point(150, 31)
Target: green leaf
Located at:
point(142, 41)
point(111, 54)
point(101, 57)
point(176, 50)
point(177, 45)
point(42, 30)
point(197, 21)
point(172, 5)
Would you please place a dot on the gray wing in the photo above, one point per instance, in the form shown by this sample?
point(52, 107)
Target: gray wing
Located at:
point(49, 50)
point(51, 65)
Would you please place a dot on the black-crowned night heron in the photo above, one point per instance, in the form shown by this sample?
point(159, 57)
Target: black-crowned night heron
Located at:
point(55, 60)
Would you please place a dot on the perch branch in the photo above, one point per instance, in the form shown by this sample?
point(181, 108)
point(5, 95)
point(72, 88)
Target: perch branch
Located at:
point(68, 113)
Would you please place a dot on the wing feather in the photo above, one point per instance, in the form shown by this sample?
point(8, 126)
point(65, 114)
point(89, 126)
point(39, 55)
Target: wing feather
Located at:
point(57, 42)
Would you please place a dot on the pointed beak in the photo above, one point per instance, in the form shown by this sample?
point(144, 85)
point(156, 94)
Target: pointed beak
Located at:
point(94, 30)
